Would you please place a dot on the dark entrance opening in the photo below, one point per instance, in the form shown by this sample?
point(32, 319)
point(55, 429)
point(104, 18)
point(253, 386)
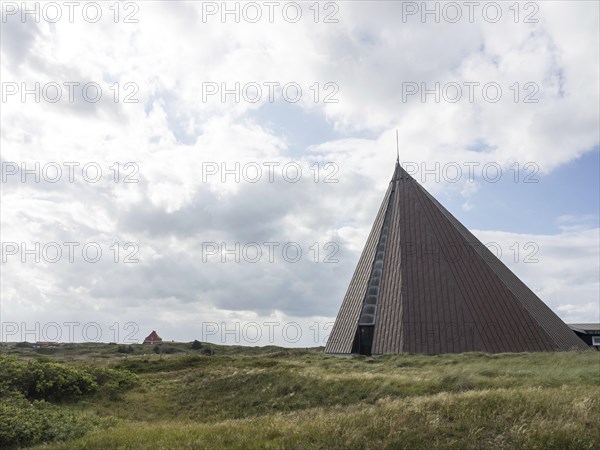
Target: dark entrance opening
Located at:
point(363, 342)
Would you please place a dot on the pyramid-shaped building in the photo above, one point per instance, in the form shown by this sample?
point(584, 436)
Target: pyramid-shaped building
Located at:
point(425, 284)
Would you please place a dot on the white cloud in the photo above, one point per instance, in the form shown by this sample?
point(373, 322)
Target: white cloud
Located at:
point(467, 206)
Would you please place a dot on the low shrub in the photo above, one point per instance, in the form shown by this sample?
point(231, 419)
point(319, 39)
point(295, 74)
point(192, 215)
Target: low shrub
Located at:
point(45, 380)
point(51, 381)
point(24, 423)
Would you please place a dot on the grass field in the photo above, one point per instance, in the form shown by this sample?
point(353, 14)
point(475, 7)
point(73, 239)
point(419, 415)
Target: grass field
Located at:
point(269, 397)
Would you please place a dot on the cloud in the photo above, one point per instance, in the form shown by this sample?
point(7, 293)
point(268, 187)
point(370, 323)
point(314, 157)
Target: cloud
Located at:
point(468, 206)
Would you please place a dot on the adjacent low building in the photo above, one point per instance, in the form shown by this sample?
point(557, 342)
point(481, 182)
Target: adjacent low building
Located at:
point(588, 333)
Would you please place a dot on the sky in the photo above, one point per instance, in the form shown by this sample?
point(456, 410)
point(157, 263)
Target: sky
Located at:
point(211, 171)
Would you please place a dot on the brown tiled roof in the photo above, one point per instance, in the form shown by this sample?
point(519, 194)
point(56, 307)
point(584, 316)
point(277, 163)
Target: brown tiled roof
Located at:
point(439, 290)
point(153, 337)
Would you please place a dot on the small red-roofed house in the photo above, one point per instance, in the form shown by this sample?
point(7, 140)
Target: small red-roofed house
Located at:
point(153, 338)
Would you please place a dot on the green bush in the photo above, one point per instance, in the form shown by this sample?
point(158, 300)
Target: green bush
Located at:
point(24, 423)
point(47, 380)
point(26, 416)
point(113, 382)
point(24, 345)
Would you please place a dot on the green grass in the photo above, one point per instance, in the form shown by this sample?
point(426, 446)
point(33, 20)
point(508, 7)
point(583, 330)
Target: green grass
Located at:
point(294, 398)
point(519, 418)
